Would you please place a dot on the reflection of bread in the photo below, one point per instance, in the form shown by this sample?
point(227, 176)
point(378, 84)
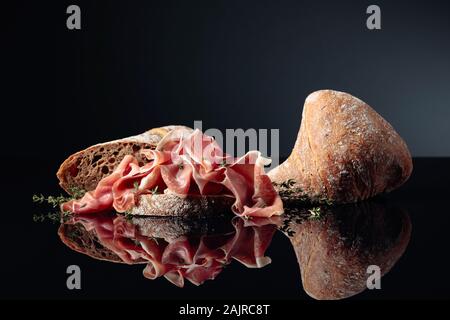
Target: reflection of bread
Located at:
point(170, 228)
point(84, 169)
point(78, 238)
point(345, 151)
point(334, 252)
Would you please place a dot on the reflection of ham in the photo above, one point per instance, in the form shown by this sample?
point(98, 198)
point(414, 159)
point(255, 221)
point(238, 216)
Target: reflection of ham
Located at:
point(250, 243)
point(179, 167)
point(196, 259)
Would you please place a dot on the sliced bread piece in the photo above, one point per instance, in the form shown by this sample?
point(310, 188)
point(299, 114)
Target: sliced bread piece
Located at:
point(84, 169)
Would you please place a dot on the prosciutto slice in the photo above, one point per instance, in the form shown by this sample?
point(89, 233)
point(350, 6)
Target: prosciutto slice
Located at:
point(186, 163)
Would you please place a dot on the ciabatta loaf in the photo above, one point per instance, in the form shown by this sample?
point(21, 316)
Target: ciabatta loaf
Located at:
point(345, 151)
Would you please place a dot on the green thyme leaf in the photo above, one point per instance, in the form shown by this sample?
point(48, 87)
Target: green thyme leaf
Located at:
point(54, 201)
point(128, 215)
point(316, 213)
point(76, 192)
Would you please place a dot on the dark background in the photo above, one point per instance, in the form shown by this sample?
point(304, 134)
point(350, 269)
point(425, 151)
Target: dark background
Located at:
point(233, 64)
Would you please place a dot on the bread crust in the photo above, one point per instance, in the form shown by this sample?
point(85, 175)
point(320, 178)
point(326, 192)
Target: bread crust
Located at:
point(191, 206)
point(345, 151)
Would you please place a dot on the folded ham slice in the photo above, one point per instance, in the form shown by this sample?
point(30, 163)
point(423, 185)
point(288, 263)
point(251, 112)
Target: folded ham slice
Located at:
point(186, 163)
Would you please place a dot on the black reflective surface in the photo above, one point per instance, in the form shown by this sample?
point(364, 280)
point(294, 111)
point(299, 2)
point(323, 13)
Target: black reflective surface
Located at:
point(405, 233)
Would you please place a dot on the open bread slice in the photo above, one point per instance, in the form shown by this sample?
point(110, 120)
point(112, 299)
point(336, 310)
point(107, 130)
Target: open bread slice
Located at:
point(84, 169)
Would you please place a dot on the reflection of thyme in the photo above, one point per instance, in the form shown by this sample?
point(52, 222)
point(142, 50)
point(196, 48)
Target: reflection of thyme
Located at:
point(52, 216)
point(298, 215)
point(136, 186)
point(286, 227)
point(327, 202)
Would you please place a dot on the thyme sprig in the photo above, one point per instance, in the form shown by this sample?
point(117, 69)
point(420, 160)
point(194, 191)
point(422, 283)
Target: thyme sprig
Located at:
point(76, 192)
point(316, 213)
point(154, 190)
point(288, 183)
point(52, 200)
point(224, 164)
point(290, 191)
point(128, 215)
point(55, 202)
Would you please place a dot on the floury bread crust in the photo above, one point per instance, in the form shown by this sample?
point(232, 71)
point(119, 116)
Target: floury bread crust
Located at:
point(345, 151)
point(84, 169)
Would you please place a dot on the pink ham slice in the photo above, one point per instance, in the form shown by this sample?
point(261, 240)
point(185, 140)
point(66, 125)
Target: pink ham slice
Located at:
point(186, 163)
